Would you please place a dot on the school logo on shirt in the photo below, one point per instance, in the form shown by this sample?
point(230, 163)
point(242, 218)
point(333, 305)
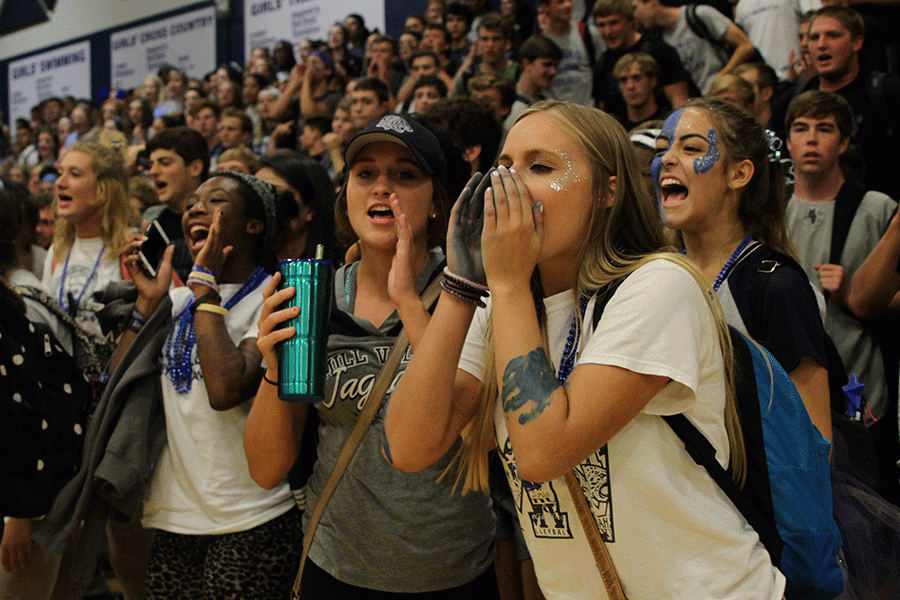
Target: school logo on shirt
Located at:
point(593, 475)
point(351, 374)
point(540, 501)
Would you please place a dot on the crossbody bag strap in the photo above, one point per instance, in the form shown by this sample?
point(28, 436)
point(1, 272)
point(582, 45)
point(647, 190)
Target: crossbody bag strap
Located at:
point(366, 416)
point(598, 546)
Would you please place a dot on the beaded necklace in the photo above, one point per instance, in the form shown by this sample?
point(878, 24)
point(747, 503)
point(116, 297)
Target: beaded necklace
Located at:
point(723, 273)
point(182, 338)
point(567, 362)
point(72, 307)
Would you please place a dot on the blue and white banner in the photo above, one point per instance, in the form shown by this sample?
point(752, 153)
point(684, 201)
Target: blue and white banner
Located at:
point(65, 71)
point(268, 21)
point(186, 41)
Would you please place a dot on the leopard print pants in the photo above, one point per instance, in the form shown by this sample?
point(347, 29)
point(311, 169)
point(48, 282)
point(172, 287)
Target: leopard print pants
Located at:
point(259, 563)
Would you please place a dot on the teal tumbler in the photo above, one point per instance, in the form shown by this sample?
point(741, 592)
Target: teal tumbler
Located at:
point(301, 358)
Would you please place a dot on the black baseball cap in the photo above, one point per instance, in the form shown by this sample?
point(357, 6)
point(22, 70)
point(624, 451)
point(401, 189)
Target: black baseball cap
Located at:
point(407, 132)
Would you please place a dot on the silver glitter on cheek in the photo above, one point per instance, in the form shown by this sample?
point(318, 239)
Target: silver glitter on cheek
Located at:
point(562, 184)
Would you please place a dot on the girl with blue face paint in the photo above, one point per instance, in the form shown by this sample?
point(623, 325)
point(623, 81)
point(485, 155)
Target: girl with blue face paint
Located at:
point(721, 187)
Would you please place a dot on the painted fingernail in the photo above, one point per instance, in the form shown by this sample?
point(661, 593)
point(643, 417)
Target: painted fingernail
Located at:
point(540, 207)
point(496, 173)
point(512, 170)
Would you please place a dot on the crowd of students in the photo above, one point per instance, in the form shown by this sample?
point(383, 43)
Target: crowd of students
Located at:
point(521, 160)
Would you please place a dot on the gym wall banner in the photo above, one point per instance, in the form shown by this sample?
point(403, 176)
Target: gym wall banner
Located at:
point(65, 71)
point(268, 21)
point(186, 41)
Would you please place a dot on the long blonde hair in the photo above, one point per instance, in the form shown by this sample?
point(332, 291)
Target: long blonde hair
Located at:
point(621, 238)
point(118, 216)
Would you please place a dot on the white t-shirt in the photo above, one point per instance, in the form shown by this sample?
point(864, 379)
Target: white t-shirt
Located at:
point(670, 530)
point(201, 483)
point(772, 27)
point(81, 279)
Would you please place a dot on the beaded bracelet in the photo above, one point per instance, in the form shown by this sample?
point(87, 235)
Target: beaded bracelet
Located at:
point(211, 308)
point(462, 295)
point(464, 288)
point(465, 283)
point(137, 321)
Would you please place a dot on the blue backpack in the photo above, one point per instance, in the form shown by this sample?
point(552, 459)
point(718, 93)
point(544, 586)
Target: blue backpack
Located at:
point(786, 497)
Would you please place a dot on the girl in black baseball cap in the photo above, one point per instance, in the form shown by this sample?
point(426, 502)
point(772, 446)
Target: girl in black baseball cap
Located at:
point(384, 532)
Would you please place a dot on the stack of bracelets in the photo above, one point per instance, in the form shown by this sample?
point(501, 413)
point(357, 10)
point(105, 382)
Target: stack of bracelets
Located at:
point(464, 289)
point(206, 302)
point(203, 276)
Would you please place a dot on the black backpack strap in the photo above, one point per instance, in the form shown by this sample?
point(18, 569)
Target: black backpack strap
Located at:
point(758, 292)
point(697, 25)
point(754, 501)
point(846, 204)
point(698, 447)
point(603, 295)
point(702, 31)
point(703, 453)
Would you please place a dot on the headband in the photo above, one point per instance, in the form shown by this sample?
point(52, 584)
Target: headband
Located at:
point(265, 194)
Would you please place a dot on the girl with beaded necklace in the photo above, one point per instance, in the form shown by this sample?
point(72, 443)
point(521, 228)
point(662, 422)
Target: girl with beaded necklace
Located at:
point(217, 533)
point(565, 214)
point(92, 227)
point(721, 185)
point(384, 534)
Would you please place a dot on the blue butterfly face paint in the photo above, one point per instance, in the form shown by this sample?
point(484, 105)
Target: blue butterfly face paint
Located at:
point(706, 162)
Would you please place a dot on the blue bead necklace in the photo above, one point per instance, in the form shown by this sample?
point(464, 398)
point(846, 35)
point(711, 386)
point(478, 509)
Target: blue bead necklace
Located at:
point(182, 338)
point(567, 362)
point(73, 306)
point(723, 273)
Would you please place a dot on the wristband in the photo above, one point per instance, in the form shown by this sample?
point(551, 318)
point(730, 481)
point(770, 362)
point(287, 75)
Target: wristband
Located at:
point(196, 278)
point(471, 299)
point(269, 381)
point(462, 281)
point(205, 298)
point(199, 269)
point(137, 321)
point(211, 308)
point(193, 282)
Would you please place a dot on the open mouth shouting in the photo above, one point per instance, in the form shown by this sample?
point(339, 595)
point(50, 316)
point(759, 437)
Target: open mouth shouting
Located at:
point(197, 235)
point(673, 191)
point(381, 214)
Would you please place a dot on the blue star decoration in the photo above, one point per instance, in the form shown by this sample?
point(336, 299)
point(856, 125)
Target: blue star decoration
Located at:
point(853, 390)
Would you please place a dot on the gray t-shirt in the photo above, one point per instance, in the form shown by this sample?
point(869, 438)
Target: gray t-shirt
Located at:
point(385, 529)
point(702, 59)
point(573, 75)
point(809, 227)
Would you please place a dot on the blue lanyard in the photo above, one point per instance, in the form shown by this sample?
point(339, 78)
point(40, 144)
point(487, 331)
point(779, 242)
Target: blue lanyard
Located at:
point(62, 284)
